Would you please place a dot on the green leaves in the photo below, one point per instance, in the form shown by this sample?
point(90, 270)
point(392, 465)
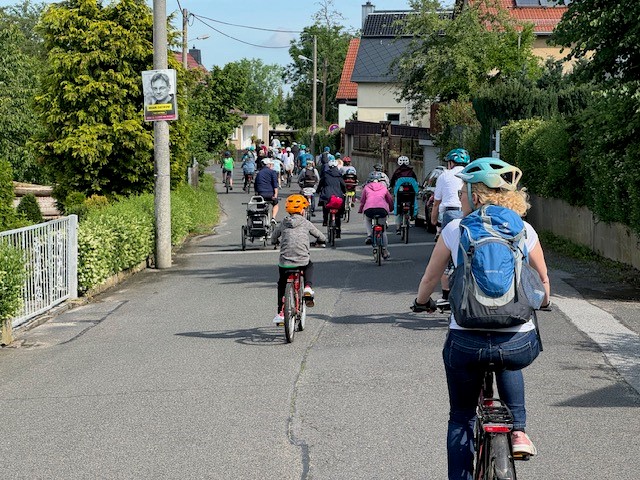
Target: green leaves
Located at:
point(95, 140)
point(454, 58)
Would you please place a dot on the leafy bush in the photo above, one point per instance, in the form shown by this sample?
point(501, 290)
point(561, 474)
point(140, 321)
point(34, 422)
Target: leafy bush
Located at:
point(12, 275)
point(119, 236)
point(8, 217)
point(30, 209)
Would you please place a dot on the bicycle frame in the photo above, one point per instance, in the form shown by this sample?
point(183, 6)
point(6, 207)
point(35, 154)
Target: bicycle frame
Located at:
point(293, 305)
point(377, 239)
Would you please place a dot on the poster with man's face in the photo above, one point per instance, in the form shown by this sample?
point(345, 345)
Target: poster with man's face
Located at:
point(158, 87)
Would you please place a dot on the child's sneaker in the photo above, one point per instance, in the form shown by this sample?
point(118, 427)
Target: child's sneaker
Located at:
point(308, 296)
point(279, 319)
point(385, 254)
point(367, 241)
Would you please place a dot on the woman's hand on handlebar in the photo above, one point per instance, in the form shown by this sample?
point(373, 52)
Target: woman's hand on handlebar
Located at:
point(428, 307)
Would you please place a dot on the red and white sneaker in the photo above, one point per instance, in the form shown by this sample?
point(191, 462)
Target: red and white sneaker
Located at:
point(522, 444)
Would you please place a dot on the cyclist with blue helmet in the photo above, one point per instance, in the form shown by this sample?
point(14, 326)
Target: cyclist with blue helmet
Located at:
point(467, 351)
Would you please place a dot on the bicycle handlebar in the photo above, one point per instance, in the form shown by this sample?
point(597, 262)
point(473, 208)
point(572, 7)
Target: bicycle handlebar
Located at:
point(428, 307)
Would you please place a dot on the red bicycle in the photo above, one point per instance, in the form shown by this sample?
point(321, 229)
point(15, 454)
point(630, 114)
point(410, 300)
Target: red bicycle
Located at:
point(294, 305)
point(334, 205)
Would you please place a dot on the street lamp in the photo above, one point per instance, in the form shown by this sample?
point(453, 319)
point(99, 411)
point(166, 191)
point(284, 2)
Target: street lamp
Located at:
point(314, 89)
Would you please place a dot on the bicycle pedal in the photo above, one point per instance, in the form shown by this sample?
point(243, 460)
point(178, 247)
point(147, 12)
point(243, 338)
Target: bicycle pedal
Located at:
point(280, 324)
point(309, 301)
point(524, 457)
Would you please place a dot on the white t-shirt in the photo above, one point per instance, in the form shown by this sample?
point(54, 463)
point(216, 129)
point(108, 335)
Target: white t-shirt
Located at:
point(287, 160)
point(451, 237)
point(447, 188)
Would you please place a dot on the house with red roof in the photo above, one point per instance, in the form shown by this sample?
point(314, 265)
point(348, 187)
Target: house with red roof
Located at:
point(347, 94)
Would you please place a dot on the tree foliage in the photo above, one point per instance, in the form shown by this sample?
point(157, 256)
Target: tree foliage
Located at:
point(453, 58)
point(22, 60)
point(95, 140)
point(215, 106)
point(606, 34)
point(264, 87)
point(332, 44)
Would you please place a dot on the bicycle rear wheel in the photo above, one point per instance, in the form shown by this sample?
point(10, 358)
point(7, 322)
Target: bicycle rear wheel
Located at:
point(405, 229)
point(302, 313)
point(502, 463)
point(244, 237)
point(289, 312)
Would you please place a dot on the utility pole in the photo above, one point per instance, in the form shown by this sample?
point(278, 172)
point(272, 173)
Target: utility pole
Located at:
point(162, 198)
point(185, 23)
point(324, 93)
point(314, 109)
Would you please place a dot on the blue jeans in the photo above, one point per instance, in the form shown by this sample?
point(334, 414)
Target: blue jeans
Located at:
point(449, 215)
point(466, 355)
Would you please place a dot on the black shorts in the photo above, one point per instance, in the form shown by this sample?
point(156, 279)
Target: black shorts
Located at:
point(375, 212)
point(269, 198)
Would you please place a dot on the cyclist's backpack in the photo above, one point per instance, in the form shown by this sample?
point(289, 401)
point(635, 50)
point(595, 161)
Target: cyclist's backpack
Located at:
point(493, 285)
point(309, 177)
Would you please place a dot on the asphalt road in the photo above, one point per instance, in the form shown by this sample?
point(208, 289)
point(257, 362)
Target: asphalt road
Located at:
point(180, 374)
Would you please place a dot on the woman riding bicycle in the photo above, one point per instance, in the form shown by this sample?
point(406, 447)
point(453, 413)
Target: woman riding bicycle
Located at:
point(468, 352)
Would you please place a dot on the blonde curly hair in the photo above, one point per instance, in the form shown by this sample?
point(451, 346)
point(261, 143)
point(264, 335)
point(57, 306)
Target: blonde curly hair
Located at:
point(517, 200)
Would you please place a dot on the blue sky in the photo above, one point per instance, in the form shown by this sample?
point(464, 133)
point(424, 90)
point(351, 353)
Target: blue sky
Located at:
point(218, 49)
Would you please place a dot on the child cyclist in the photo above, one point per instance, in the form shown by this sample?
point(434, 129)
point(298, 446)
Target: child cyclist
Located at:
point(293, 234)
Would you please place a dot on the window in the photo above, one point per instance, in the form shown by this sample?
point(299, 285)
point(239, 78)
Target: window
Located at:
point(394, 118)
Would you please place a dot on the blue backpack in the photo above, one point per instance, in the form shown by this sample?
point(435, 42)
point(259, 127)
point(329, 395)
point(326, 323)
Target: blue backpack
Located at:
point(493, 285)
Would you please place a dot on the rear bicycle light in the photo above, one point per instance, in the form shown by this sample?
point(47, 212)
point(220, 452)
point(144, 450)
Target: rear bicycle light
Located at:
point(377, 228)
point(493, 428)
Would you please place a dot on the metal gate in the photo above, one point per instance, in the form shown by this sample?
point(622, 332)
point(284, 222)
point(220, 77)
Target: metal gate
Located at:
point(50, 252)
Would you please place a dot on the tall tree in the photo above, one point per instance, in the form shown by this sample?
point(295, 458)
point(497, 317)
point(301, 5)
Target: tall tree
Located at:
point(215, 105)
point(91, 102)
point(452, 58)
point(607, 34)
point(264, 87)
point(333, 42)
point(22, 60)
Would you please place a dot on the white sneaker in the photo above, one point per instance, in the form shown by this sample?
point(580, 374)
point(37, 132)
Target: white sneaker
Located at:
point(278, 319)
point(308, 292)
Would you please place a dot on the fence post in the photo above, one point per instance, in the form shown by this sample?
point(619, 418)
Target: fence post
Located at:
point(72, 260)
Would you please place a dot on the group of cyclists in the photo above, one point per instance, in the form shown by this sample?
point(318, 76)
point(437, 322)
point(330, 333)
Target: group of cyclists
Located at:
point(480, 188)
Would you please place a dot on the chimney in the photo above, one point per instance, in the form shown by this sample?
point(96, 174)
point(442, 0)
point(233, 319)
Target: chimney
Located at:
point(367, 8)
point(196, 54)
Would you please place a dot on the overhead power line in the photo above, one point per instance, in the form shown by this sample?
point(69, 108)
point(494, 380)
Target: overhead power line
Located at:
point(197, 17)
point(249, 26)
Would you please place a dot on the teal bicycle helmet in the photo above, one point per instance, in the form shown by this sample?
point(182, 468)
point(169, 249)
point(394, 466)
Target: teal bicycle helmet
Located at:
point(458, 156)
point(493, 172)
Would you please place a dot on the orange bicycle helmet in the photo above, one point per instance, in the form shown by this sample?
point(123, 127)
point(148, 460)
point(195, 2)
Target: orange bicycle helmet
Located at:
point(296, 203)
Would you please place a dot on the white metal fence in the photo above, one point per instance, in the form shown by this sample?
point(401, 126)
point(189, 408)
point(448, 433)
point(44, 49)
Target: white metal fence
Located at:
point(50, 253)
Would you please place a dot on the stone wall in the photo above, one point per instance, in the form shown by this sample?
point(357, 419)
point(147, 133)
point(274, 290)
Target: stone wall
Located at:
point(578, 224)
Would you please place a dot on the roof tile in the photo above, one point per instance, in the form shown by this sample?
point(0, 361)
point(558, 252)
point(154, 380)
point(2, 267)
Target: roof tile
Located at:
point(346, 88)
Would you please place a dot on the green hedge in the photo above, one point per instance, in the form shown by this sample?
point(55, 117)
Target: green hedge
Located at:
point(12, 276)
point(588, 160)
point(120, 236)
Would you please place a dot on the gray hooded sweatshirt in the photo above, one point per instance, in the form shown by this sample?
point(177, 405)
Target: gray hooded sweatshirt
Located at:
point(293, 232)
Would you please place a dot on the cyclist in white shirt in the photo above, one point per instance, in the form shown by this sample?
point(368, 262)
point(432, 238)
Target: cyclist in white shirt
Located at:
point(447, 203)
